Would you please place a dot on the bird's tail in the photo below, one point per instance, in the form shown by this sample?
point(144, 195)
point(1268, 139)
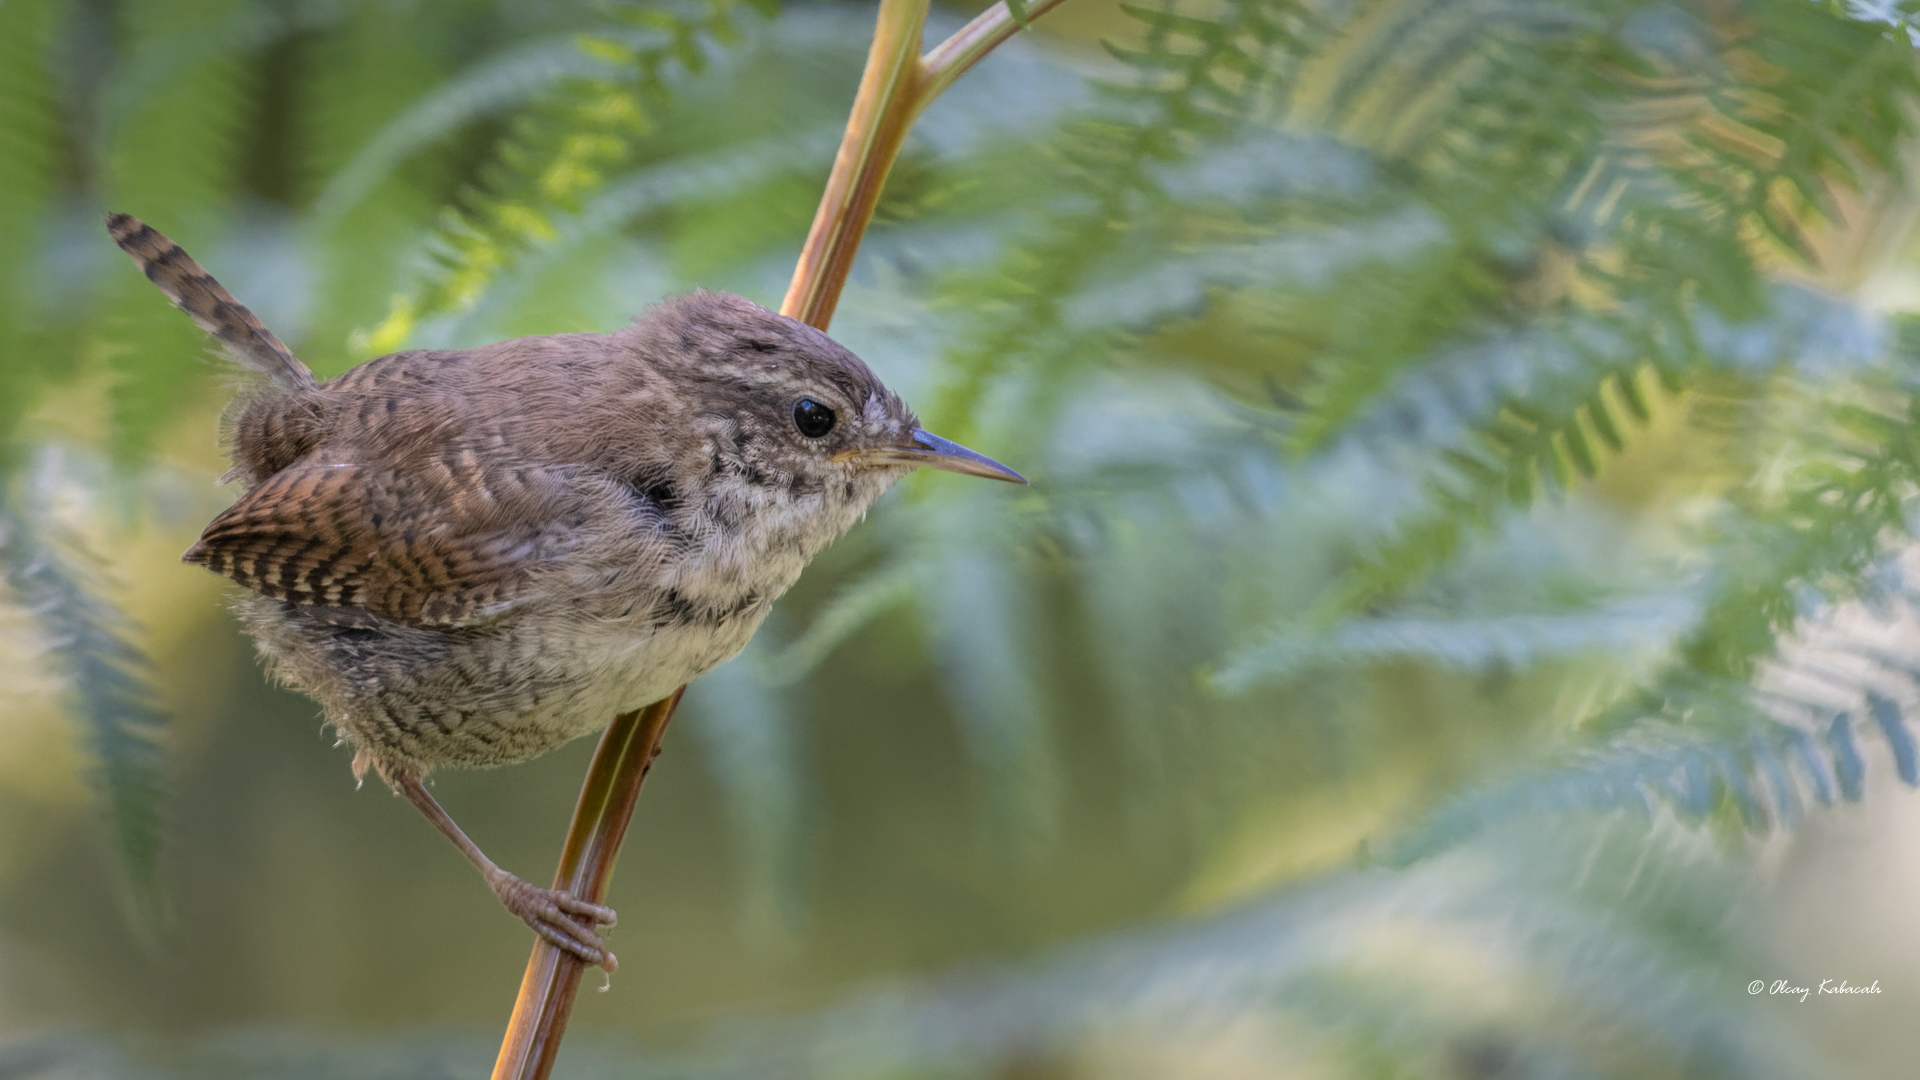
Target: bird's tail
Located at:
point(194, 291)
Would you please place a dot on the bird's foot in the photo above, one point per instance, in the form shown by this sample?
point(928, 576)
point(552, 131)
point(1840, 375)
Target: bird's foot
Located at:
point(560, 918)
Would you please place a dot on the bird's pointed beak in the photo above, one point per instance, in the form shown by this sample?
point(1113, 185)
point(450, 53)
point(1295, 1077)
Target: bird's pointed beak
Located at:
point(924, 448)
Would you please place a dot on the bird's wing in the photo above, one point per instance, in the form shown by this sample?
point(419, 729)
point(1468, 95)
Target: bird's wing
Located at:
point(445, 543)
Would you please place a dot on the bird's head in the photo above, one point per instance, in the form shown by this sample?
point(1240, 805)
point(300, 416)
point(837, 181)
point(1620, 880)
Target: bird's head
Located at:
point(798, 408)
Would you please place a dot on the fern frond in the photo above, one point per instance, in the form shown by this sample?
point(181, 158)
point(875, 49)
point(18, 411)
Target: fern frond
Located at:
point(557, 155)
point(1526, 414)
point(172, 149)
point(174, 155)
point(1191, 89)
point(29, 147)
point(1610, 932)
point(980, 627)
point(490, 87)
point(721, 179)
point(749, 735)
point(1643, 623)
point(1733, 723)
point(87, 640)
point(1576, 197)
point(853, 608)
point(1729, 756)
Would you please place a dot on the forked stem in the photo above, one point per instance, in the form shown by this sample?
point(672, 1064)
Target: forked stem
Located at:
point(896, 86)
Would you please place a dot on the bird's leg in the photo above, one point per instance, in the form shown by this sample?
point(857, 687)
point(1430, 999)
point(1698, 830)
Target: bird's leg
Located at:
point(559, 917)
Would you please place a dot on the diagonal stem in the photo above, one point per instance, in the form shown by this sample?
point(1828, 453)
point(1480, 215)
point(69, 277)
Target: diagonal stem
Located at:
point(547, 990)
point(895, 87)
point(883, 108)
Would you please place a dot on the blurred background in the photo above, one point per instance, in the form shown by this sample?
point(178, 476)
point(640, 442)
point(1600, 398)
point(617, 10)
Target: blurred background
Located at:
point(1461, 624)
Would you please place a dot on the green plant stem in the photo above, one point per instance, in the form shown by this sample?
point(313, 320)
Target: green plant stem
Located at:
point(895, 87)
point(953, 57)
point(547, 990)
point(883, 109)
point(894, 90)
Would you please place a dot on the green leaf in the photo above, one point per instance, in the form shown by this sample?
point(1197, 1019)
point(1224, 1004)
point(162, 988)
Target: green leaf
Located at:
point(87, 640)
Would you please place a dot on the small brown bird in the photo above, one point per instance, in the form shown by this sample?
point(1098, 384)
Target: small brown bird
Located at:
point(470, 557)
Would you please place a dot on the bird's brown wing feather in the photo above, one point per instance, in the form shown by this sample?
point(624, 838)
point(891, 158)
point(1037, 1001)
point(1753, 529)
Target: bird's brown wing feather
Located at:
point(438, 545)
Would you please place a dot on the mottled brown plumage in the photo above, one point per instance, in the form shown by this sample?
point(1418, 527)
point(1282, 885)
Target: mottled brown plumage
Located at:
point(471, 557)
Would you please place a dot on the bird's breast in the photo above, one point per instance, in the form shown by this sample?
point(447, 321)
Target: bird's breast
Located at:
point(693, 590)
point(661, 646)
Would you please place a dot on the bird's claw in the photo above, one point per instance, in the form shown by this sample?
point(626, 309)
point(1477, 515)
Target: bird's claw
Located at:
point(560, 918)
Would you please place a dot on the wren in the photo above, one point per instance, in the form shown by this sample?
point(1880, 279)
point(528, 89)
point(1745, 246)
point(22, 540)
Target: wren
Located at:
point(470, 557)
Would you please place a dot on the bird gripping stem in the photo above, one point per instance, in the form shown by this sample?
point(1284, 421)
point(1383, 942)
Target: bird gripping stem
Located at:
point(896, 85)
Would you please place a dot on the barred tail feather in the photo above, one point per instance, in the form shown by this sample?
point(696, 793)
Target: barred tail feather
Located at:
point(212, 308)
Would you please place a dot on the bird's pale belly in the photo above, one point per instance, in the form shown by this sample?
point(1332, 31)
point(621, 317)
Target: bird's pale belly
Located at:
point(491, 695)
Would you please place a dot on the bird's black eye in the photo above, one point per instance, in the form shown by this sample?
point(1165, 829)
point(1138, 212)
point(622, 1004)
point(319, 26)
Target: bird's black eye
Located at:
point(812, 418)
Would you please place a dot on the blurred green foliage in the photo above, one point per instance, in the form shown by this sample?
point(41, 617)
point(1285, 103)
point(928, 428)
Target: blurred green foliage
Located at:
point(1476, 442)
